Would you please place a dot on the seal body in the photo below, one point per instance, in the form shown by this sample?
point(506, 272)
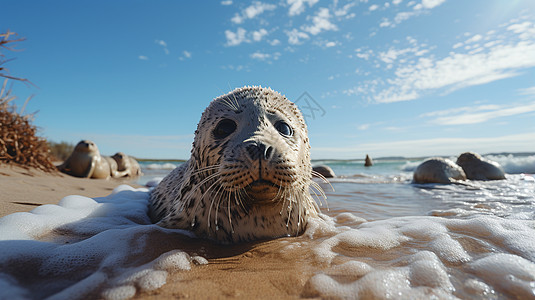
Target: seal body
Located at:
point(249, 174)
point(323, 170)
point(438, 170)
point(86, 161)
point(478, 168)
point(126, 165)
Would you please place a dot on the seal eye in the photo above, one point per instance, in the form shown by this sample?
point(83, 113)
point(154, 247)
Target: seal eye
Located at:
point(224, 128)
point(283, 128)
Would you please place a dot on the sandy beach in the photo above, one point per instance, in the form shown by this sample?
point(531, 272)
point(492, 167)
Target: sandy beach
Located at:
point(24, 189)
point(258, 271)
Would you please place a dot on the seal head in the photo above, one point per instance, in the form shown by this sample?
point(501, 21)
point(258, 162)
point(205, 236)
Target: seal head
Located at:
point(249, 173)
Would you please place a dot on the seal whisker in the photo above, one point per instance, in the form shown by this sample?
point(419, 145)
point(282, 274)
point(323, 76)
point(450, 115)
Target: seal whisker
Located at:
point(214, 195)
point(204, 169)
point(229, 215)
point(236, 101)
point(323, 178)
point(203, 182)
point(314, 186)
point(219, 170)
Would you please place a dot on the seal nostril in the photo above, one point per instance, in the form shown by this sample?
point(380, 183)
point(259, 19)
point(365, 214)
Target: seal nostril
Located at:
point(257, 151)
point(253, 150)
point(268, 152)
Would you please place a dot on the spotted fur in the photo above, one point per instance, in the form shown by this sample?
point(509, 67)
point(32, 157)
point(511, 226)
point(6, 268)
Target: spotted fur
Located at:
point(231, 191)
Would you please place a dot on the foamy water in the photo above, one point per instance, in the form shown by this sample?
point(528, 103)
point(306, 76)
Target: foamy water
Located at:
point(381, 237)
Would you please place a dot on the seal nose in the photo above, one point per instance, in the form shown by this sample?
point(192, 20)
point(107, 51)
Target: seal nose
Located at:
point(259, 151)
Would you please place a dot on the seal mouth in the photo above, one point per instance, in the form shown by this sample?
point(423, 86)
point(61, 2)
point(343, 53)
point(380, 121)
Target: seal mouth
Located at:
point(262, 190)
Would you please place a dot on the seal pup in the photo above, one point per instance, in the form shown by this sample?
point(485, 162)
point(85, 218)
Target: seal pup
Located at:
point(478, 168)
point(86, 161)
point(126, 165)
point(249, 173)
point(438, 170)
point(323, 171)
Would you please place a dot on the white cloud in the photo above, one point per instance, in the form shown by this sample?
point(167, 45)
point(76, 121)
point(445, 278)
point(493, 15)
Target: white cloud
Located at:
point(363, 127)
point(330, 44)
point(475, 38)
point(235, 38)
point(142, 57)
point(274, 42)
point(527, 91)
point(185, 55)
point(396, 2)
point(373, 7)
point(226, 2)
point(429, 4)
point(252, 11)
point(163, 44)
point(295, 36)
point(320, 22)
point(260, 56)
point(492, 112)
point(265, 56)
point(297, 7)
point(418, 9)
point(364, 54)
point(457, 70)
point(259, 34)
point(344, 11)
point(434, 146)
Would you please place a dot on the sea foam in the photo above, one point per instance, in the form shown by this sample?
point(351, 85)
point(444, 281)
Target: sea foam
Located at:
point(107, 248)
point(86, 247)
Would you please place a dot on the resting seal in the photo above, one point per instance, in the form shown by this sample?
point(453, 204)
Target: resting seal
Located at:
point(323, 170)
point(249, 173)
point(86, 161)
point(438, 170)
point(478, 168)
point(126, 165)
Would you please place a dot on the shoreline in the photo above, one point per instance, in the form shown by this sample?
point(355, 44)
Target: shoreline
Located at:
point(25, 189)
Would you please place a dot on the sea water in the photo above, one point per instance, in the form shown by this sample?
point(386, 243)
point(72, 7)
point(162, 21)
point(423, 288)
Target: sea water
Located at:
point(379, 237)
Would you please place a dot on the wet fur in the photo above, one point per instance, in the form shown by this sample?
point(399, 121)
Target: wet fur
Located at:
point(208, 193)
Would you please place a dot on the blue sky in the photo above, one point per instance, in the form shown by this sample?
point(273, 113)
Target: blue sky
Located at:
point(387, 78)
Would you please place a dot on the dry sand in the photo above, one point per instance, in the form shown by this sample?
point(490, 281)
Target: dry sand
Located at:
point(250, 271)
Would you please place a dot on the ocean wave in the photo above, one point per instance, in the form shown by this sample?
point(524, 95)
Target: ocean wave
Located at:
point(157, 166)
point(515, 164)
point(410, 166)
point(511, 164)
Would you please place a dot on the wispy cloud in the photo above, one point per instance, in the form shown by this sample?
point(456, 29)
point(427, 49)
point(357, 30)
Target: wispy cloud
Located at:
point(235, 38)
point(417, 71)
point(142, 57)
point(185, 55)
point(527, 91)
point(478, 114)
point(297, 7)
point(252, 11)
point(265, 56)
point(296, 37)
point(427, 147)
point(417, 9)
point(259, 34)
point(320, 22)
point(226, 2)
point(163, 44)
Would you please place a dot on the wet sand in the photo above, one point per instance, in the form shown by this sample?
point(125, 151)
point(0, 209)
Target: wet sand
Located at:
point(248, 271)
